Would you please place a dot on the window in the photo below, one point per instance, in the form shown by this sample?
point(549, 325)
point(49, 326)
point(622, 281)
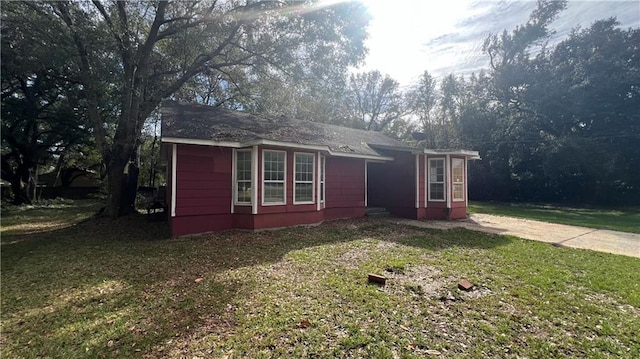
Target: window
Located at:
point(243, 177)
point(321, 179)
point(303, 183)
point(458, 179)
point(273, 175)
point(436, 179)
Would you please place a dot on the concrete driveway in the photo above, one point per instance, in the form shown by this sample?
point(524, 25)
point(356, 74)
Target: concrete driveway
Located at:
point(601, 240)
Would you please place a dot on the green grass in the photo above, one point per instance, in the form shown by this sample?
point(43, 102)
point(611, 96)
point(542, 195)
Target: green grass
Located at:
point(105, 288)
point(625, 220)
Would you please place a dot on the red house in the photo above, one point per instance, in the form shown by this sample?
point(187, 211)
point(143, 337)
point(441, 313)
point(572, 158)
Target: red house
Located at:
point(230, 169)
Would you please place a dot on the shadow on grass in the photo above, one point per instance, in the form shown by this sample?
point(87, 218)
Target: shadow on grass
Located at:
point(122, 288)
point(434, 239)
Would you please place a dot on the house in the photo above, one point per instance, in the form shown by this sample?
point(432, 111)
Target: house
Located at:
point(235, 170)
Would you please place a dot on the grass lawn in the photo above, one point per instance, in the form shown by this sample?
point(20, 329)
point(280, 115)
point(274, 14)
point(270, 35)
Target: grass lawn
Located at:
point(105, 288)
point(625, 220)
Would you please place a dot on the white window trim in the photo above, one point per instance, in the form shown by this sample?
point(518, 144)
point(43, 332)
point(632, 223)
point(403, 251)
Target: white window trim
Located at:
point(447, 181)
point(235, 178)
point(284, 187)
point(313, 178)
point(453, 183)
point(174, 178)
point(444, 180)
point(417, 180)
point(319, 183)
point(466, 185)
point(322, 170)
point(366, 181)
point(426, 181)
point(254, 180)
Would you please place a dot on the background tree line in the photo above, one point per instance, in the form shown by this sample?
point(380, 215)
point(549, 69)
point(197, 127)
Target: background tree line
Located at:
point(82, 80)
point(554, 123)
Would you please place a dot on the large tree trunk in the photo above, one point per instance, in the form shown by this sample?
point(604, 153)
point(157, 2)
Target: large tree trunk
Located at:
point(122, 187)
point(20, 184)
point(115, 174)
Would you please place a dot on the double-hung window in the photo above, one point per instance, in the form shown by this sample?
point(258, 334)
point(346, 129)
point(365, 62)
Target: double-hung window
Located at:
point(436, 179)
point(273, 177)
point(304, 178)
point(243, 177)
point(458, 179)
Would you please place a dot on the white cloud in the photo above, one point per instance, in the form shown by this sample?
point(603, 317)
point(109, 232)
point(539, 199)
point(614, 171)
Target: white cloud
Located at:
point(408, 37)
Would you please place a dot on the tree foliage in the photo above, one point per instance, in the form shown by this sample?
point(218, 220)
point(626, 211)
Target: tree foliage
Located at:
point(373, 100)
point(560, 125)
point(42, 118)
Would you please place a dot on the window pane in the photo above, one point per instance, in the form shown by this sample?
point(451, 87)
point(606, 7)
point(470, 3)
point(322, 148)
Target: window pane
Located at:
point(273, 192)
point(304, 192)
point(243, 176)
point(458, 171)
point(273, 166)
point(244, 192)
point(436, 170)
point(273, 173)
point(458, 189)
point(304, 177)
point(437, 191)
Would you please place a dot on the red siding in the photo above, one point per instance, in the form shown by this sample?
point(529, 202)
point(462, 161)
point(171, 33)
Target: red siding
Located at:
point(203, 189)
point(421, 182)
point(345, 186)
point(185, 225)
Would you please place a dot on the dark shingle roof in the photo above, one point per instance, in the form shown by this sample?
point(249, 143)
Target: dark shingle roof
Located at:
point(199, 122)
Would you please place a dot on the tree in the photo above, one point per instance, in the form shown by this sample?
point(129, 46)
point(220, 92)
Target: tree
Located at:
point(373, 100)
point(595, 114)
point(159, 46)
point(423, 99)
point(41, 116)
point(560, 124)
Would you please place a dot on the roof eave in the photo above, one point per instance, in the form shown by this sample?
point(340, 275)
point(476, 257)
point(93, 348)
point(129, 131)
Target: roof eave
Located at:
point(472, 155)
point(236, 144)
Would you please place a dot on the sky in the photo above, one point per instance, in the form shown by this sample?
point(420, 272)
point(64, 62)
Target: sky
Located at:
point(407, 37)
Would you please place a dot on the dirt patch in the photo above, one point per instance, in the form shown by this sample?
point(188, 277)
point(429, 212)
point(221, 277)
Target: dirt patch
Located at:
point(420, 280)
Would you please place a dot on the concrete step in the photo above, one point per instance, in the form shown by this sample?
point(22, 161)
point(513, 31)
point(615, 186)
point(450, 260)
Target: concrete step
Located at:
point(376, 212)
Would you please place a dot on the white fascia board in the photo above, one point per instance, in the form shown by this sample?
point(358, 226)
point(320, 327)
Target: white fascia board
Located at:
point(190, 141)
point(193, 141)
point(473, 155)
point(366, 157)
point(289, 145)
